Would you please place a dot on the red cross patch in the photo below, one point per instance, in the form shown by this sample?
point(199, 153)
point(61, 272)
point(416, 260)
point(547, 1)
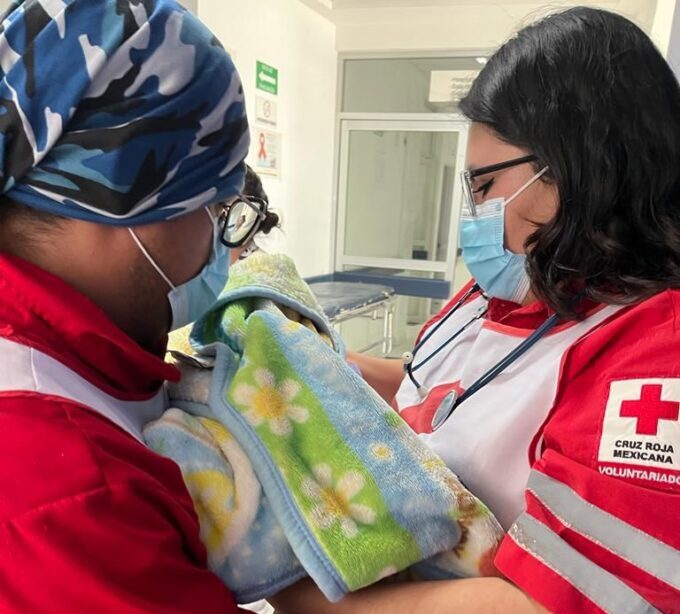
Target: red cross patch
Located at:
point(649, 409)
point(641, 426)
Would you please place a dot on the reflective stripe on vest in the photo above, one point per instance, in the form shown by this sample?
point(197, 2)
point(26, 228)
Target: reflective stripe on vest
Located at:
point(622, 539)
point(602, 588)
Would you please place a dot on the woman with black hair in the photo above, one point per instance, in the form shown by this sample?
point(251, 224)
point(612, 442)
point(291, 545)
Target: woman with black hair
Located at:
point(266, 220)
point(551, 385)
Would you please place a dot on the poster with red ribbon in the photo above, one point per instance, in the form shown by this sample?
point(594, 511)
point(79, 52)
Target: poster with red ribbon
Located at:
point(267, 147)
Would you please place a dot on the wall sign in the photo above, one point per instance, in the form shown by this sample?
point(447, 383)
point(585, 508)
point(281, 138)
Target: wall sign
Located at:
point(268, 151)
point(266, 111)
point(267, 78)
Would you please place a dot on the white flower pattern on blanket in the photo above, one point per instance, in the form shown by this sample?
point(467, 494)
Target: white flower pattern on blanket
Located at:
point(334, 500)
point(271, 403)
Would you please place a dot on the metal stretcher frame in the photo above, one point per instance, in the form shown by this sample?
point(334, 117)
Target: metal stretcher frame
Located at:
point(374, 302)
point(384, 310)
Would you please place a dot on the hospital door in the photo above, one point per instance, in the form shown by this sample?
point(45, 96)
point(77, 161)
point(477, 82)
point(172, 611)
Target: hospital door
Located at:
point(399, 199)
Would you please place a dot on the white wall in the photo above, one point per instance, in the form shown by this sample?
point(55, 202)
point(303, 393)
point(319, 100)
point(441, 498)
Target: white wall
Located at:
point(301, 44)
point(669, 24)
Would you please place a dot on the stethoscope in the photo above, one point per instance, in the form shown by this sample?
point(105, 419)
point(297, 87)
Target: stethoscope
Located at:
point(452, 400)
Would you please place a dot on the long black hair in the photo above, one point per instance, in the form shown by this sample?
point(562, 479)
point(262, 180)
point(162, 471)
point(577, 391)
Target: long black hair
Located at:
point(589, 94)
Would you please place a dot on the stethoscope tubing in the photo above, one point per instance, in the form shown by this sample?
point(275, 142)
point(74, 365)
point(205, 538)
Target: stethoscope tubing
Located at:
point(409, 357)
point(452, 400)
point(514, 355)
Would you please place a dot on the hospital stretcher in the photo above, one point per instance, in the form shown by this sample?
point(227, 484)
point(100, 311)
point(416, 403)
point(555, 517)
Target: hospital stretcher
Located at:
point(342, 301)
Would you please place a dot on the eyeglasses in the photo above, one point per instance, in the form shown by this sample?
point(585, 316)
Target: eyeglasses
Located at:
point(240, 219)
point(470, 192)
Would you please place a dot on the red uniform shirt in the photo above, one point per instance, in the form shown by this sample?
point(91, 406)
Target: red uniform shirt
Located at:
point(90, 519)
point(595, 409)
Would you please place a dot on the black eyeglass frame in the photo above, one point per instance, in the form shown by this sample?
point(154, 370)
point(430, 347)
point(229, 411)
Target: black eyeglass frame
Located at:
point(467, 177)
point(259, 205)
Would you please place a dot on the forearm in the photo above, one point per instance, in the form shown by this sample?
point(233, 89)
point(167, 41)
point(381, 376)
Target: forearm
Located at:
point(384, 375)
point(472, 596)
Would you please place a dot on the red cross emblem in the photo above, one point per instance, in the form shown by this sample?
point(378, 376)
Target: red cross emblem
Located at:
point(649, 409)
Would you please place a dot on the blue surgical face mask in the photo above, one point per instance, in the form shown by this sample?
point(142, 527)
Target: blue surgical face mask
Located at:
point(190, 300)
point(499, 272)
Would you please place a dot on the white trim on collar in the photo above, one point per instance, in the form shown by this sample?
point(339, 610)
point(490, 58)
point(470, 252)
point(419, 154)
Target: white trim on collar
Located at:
point(23, 368)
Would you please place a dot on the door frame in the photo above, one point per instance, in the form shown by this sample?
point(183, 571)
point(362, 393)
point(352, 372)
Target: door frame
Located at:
point(397, 123)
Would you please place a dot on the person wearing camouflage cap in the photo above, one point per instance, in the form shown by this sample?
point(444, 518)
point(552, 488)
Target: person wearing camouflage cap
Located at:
point(122, 133)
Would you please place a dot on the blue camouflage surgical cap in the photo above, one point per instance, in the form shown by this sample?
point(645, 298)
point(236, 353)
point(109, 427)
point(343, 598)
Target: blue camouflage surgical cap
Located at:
point(119, 112)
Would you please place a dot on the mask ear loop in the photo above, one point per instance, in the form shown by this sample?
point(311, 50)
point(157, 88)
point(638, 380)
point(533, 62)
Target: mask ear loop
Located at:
point(534, 179)
point(216, 241)
point(150, 259)
point(213, 220)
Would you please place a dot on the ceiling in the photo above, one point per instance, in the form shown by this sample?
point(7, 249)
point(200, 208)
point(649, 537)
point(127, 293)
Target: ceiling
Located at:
point(357, 11)
point(339, 5)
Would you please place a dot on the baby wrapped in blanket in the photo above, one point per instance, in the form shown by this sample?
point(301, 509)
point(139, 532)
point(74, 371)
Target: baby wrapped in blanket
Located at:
point(295, 465)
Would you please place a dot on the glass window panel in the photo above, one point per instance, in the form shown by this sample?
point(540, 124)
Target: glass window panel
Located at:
point(407, 85)
point(400, 193)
